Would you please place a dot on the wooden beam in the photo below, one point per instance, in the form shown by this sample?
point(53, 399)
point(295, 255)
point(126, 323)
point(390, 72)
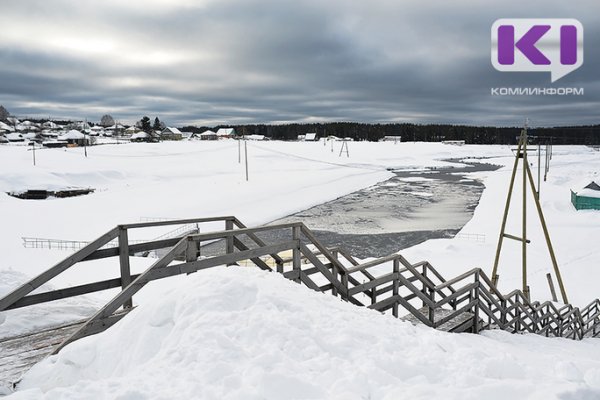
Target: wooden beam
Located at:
point(228, 258)
point(73, 291)
point(256, 239)
point(176, 222)
point(324, 270)
point(259, 263)
point(126, 294)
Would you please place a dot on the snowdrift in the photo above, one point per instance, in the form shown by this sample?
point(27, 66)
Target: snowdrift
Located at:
point(242, 333)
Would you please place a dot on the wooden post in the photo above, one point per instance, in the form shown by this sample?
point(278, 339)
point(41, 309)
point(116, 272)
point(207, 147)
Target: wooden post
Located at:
point(505, 217)
point(229, 241)
point(548, 242)
point(334, 272)
point(192, 251)
point(396, 285)
point(124, 263)
point(345, 282)
point(424, 291)
point(296, 257)
point(476, 308)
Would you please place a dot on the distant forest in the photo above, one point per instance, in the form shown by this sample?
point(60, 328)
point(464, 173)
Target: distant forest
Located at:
point(588, 135)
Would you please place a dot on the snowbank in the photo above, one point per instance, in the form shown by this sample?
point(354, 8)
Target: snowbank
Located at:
point(574, 234)
point(241, 333)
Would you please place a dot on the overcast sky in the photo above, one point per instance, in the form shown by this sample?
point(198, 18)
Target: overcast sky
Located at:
point(212, 62)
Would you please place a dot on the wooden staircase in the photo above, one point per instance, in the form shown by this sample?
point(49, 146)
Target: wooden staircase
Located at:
point(466, 303)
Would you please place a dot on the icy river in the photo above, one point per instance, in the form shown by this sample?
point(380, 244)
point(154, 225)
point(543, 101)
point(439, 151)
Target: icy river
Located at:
point(401, 212)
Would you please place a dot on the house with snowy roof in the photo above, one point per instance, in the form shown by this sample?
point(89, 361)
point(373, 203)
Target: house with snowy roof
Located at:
point(144, 137)
point(206, 135)
point(75, 137)
point(5, 127)
point(15, 137)
point(170, 133)
point(225, 133)
point(587, 198)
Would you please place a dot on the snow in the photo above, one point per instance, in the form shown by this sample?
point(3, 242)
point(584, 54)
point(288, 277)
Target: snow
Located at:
point(225, 132)
point(73, 134)
point(140, 135)
point(6, 127)
point(172, 130)
point(588, 193)
point(243, 333)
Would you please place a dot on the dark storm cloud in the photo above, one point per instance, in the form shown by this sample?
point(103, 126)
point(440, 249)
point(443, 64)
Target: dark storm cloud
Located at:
point(271, 61)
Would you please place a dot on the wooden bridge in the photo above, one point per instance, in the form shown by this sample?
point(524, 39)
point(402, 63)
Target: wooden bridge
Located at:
point(413, 292)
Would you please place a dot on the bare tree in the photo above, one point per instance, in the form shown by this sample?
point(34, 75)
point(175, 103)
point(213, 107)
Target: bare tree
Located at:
point(4, 114)
point(107, 121)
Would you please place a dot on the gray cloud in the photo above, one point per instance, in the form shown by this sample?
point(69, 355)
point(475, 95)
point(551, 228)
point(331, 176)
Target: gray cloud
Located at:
point(255, 61)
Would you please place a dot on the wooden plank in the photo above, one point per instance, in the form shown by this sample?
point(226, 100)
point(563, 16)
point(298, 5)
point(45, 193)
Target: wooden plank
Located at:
point(315, 242)
point(291, 275)
point(228, 258)
point(373, 263)
point(308, 282)
point(203, 237)
point(374, 283)
point(459, 292)
point(457, 279)
point(491, 314)
point(134, 248)
point(384, 304)
point(126, 294)
point(175, 222)
point(259, 263)
point(416, 291)
point(296, 262)
point(456, 313)
point(395, 287)
point(68, 292)
point(323, 269)
point(62, 266)
point(256, 240)
point(19, 353)
point(413, 312)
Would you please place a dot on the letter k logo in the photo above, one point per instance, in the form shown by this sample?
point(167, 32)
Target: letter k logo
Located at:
point(506, 45)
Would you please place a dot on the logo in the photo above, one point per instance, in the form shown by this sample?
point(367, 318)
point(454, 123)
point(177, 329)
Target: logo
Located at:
point(537, 45)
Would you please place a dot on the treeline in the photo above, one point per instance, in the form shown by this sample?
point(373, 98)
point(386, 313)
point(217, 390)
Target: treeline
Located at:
point(426, 133)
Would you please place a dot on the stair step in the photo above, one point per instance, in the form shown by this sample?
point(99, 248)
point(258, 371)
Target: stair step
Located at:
point(20, 353)
point(460, 323)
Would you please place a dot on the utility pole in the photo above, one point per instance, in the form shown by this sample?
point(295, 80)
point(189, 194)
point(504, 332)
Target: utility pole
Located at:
point(527, 181)
point(33, 143)
point(539, 168)
point(84, 138)
point(344, 145)
point(246, 157)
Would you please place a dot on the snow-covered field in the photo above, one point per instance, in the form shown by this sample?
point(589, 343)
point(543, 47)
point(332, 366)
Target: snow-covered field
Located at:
point(234, 333)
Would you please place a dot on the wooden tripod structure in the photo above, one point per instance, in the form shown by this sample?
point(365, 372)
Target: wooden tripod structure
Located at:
point(527, 181)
